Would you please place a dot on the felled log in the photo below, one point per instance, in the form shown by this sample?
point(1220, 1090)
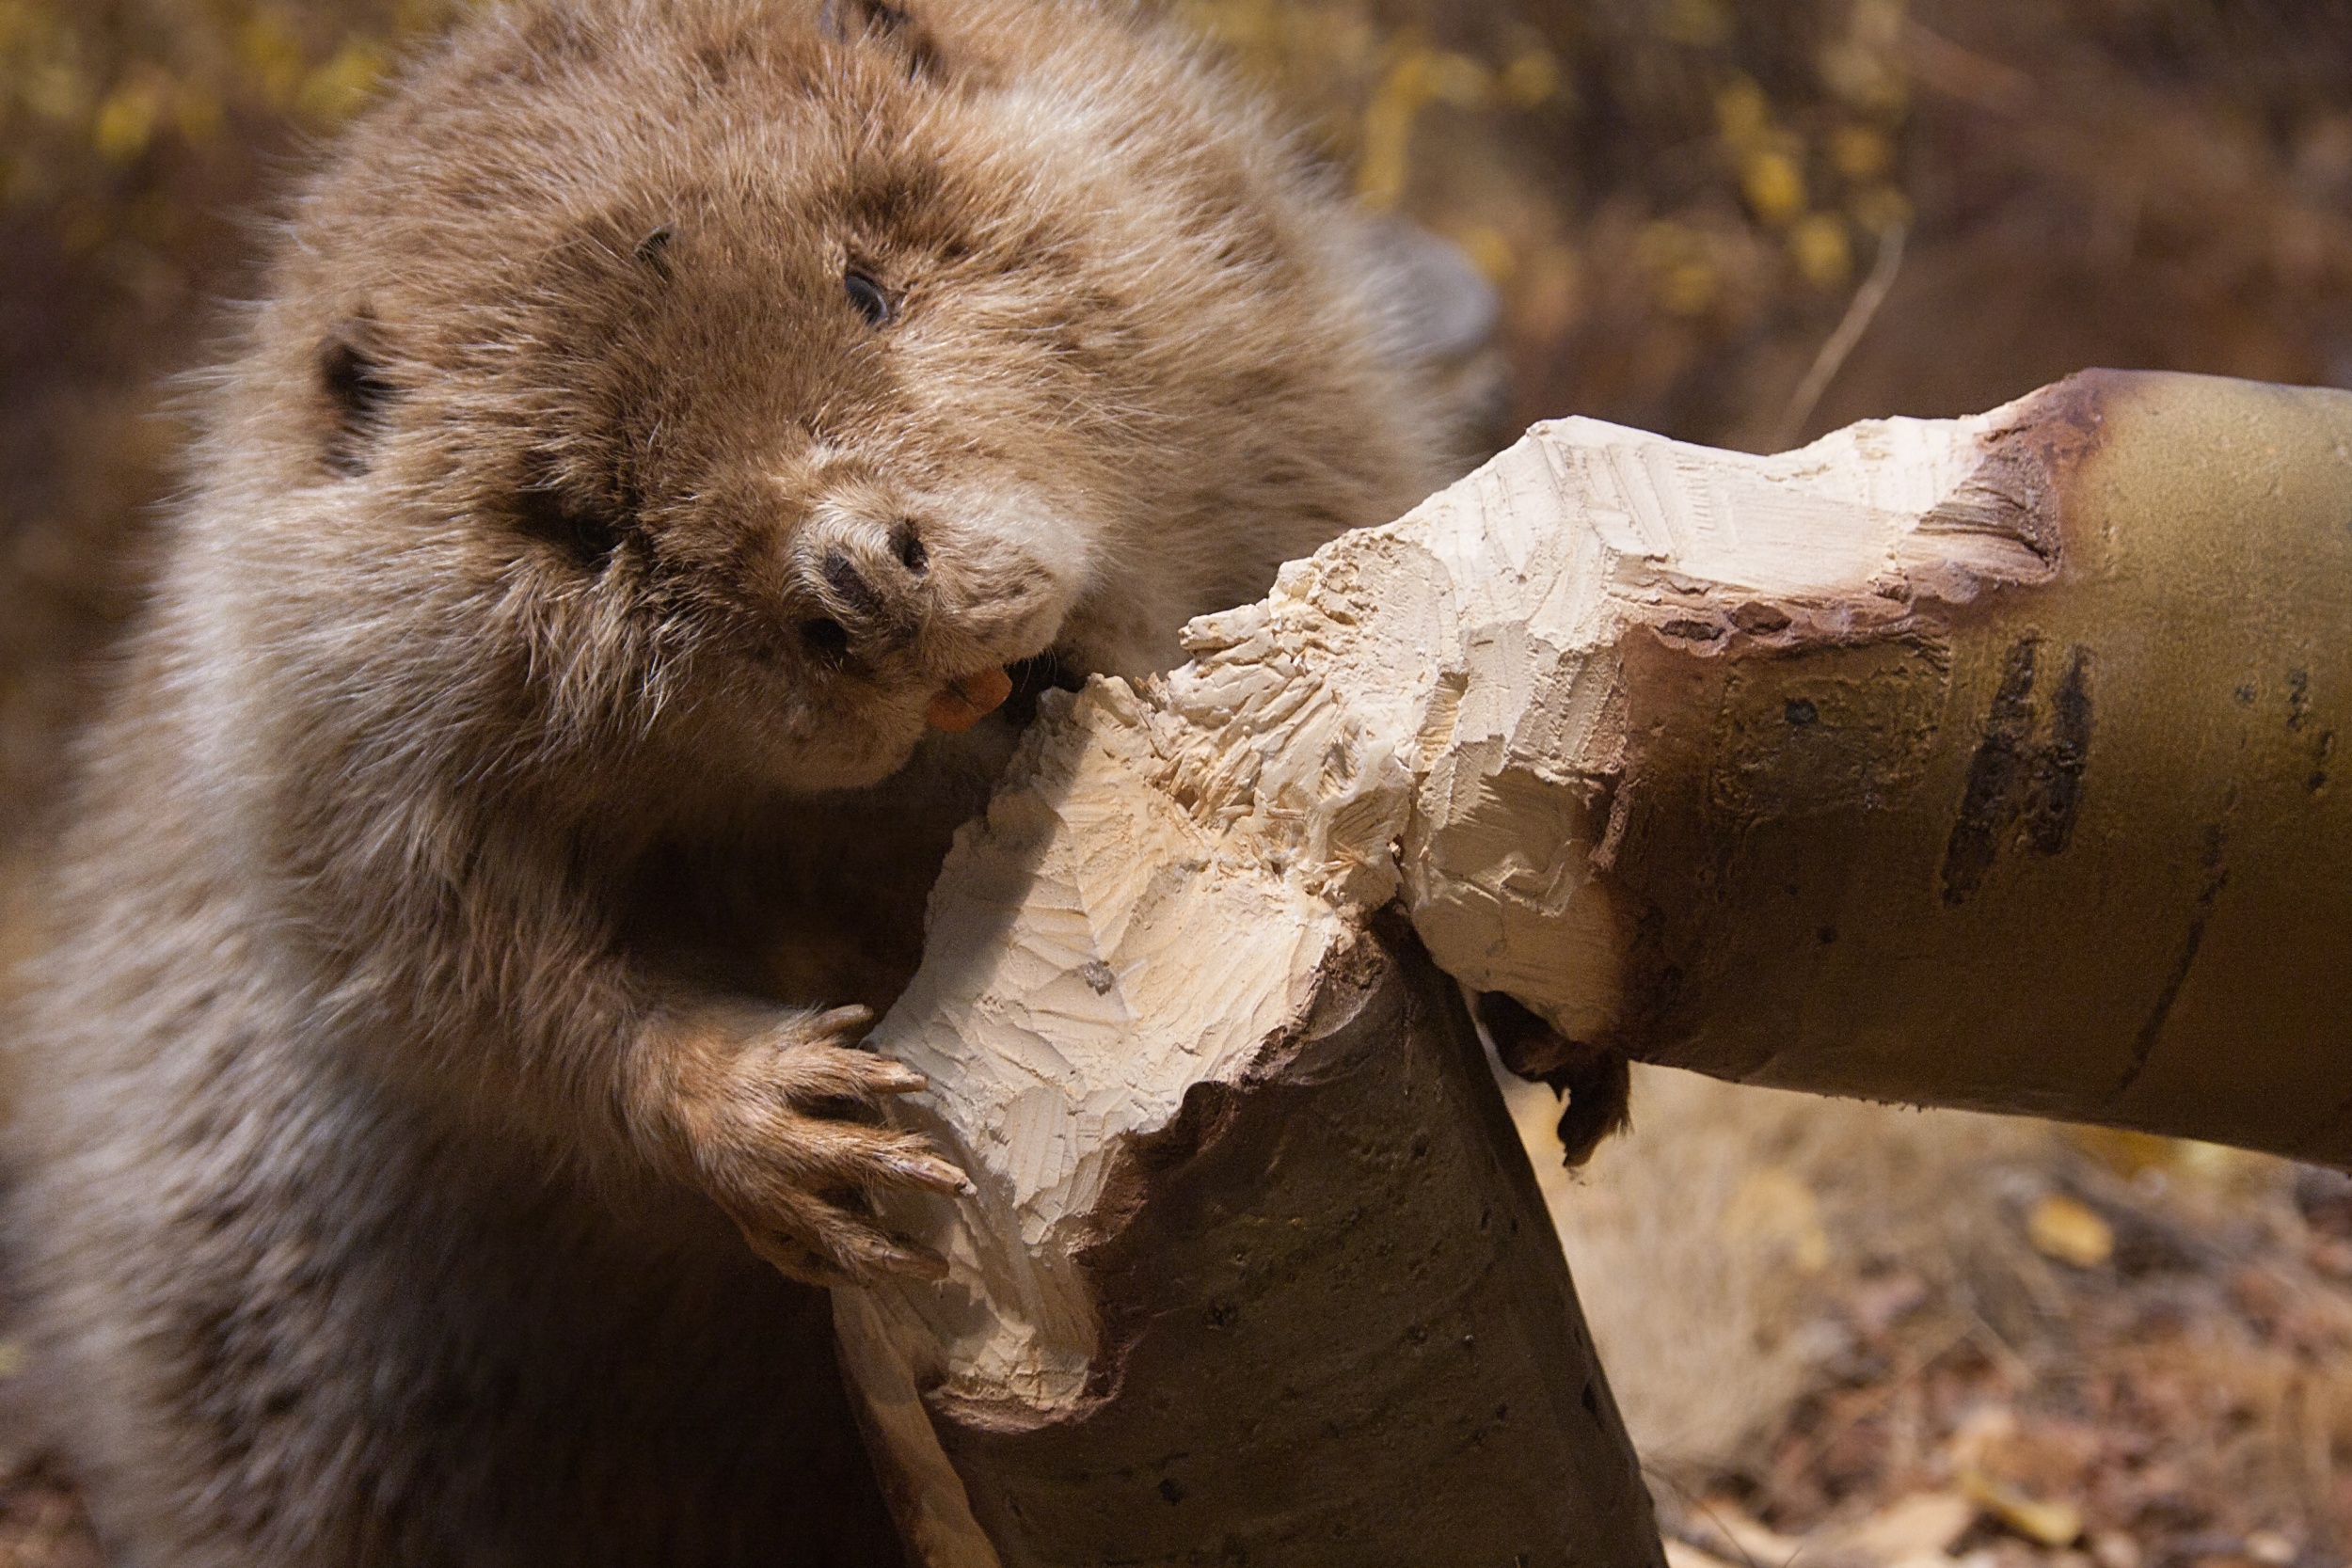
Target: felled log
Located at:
point(1986, 762)
point(2070, 837)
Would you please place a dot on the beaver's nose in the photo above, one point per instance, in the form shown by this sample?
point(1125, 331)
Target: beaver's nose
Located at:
point(868, 578)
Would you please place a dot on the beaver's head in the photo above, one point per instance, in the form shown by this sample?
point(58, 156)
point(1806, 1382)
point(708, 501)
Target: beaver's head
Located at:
point(725, 381)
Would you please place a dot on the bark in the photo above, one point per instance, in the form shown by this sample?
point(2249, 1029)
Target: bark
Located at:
point(1983, 762)
point(2072, 843)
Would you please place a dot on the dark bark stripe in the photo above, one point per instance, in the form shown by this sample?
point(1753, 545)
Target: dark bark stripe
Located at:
point(2015, 774)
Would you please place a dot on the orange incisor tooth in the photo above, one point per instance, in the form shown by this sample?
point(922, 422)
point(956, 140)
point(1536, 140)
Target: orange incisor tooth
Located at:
point(969, 699)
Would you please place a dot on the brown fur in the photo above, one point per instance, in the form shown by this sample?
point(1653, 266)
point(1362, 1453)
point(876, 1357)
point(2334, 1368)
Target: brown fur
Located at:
point(514, 764)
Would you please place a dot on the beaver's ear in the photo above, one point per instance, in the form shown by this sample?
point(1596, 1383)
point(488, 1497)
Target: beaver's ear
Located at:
point(886, 25)
point(355, 391)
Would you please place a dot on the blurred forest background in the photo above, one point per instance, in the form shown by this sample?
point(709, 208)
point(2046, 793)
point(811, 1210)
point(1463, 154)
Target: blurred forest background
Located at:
point(1884, 1340)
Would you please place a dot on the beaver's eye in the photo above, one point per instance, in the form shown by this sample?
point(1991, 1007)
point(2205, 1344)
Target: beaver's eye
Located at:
point(826, 637)
point(585, 533)
point(868, 296)
point(359, 392)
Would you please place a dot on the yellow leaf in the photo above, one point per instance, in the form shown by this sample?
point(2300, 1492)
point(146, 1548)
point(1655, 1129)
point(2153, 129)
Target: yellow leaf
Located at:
point(56, 92)
point(1773, 185)
point(1861, 152)
point(126, 123)
point(1683, 278)
point(336, 89)
point(1459, 81)
point(1490, 252)
point(1880, 208)
point(2051, 1524)
point(2062, 1228)
point(1386, 162)
point(1862, 78)
point(1822, 254)
point(1530, 78)
point(1688, 289)
point(2124, 1152)
point(271, 58)
point(1741, 111)
point(1701, 23)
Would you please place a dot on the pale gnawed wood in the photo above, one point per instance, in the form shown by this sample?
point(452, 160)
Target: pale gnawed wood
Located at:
point(1935, 761)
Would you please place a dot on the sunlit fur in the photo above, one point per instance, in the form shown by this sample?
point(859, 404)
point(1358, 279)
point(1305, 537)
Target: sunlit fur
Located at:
point(514, 762)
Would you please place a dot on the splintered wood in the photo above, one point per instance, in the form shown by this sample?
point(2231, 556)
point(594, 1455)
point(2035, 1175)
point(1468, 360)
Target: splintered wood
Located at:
point(1890, 765)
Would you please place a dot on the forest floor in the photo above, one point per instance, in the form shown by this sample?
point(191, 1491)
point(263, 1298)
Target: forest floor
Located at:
point(1868, 1337)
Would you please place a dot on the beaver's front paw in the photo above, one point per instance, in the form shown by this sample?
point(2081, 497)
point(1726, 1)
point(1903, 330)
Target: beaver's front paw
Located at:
point(786, 1135)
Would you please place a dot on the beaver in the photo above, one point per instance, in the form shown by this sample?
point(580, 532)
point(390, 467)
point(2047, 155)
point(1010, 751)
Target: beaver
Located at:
point(668, 427)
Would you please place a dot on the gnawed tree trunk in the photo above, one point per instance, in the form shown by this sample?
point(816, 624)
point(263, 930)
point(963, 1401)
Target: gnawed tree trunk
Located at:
point(1329, 1323)
point(1981, 762)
